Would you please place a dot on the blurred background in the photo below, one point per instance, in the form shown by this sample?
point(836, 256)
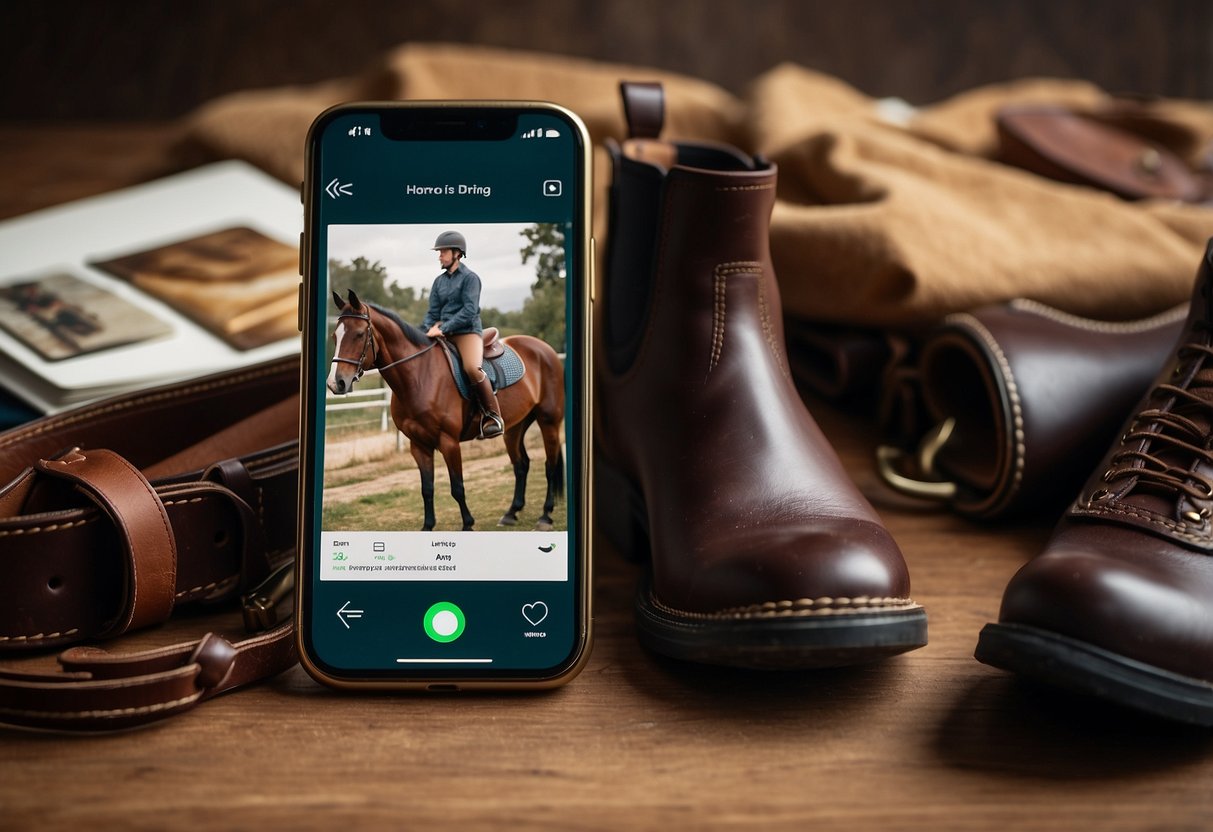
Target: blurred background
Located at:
point(155, 59)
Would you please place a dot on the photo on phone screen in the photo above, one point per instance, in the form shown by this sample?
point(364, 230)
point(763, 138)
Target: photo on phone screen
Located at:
point(443, 526)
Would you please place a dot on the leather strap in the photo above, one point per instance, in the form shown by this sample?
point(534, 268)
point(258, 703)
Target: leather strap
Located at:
point(143, 528)
point(644, 108)
point(102, 691)
point(113, 534)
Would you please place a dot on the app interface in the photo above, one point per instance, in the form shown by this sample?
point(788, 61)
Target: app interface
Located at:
point(446, 289)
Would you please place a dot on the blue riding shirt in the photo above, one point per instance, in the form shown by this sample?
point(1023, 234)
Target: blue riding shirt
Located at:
point(455, 300)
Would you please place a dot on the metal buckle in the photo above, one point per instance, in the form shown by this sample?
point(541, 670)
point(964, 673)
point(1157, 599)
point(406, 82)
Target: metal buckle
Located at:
point(260, 604)
point(888, 459)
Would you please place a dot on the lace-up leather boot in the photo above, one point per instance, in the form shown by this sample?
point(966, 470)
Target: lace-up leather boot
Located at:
point(763, 553)
point(1120, 603)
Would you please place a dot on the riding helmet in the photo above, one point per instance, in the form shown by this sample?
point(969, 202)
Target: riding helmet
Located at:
point(451, 239)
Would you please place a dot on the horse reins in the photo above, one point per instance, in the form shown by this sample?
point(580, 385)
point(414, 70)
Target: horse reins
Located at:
point(368, 340)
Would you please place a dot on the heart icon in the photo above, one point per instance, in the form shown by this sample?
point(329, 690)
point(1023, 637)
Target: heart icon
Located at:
point(535, 612)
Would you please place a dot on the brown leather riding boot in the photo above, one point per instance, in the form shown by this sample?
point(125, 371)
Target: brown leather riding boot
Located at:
point(1120, 603)
point(491, 423)
point(763, 552)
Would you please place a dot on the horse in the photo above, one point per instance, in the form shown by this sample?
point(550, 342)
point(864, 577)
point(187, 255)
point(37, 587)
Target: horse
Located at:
point(427, 408)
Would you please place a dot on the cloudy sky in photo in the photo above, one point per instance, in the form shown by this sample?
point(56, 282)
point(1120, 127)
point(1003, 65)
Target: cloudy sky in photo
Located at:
point(405, 251)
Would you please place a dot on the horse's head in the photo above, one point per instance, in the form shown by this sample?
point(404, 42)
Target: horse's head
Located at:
point(354, 340)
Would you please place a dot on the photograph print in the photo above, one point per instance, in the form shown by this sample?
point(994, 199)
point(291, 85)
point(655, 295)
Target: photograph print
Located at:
point(239, 284)
point(59, 316)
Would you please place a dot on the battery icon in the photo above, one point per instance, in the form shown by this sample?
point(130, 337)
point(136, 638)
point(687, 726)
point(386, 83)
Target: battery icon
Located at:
point(551, 134)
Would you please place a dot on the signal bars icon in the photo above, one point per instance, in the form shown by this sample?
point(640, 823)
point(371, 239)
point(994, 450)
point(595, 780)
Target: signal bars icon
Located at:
point(540, 133)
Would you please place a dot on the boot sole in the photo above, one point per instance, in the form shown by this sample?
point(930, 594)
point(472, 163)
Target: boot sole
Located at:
point(778, 641)
point(1084, 668)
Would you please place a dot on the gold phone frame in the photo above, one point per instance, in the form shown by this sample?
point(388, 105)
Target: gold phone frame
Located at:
point(584, 564)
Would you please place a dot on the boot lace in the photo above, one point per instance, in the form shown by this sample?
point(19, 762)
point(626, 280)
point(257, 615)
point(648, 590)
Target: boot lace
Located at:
point(1172, 439)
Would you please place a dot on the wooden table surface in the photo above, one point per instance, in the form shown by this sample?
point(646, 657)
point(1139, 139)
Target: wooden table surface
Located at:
point(931, 740)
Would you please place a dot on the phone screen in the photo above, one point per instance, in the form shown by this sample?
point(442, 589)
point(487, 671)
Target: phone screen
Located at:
point(436, 549)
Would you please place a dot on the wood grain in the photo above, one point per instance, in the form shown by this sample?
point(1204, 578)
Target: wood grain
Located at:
point(928, 741)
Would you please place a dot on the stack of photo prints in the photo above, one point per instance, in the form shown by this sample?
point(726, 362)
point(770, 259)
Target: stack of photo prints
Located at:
point(177, 278)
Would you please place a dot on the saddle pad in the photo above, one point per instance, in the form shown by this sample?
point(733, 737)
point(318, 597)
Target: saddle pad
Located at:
point(502, 371)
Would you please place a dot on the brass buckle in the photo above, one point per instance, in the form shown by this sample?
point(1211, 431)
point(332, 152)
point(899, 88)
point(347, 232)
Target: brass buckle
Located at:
point(260, 604)
point(932, 488)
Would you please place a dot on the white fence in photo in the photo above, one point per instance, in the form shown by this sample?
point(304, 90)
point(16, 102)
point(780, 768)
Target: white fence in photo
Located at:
point(377, 397)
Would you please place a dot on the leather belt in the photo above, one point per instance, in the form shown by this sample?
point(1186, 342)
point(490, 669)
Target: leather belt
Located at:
point(117, 513)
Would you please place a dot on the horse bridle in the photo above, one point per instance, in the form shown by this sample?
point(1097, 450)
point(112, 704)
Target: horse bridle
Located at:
point(368, 340)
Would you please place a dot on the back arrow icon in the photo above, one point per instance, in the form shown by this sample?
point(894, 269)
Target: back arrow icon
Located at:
point(335, 189)
point(345, 612)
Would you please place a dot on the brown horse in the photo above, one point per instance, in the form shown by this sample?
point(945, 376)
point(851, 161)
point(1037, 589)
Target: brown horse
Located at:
point(427, 407)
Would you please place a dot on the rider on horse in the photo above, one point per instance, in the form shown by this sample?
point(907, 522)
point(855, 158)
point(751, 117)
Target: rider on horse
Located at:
point(454, 313)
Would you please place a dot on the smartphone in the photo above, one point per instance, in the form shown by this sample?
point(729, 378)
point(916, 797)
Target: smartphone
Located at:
point(444, 538)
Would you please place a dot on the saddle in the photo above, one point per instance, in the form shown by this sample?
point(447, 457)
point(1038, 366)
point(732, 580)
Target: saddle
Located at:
point(502, 365)
point(493, 346)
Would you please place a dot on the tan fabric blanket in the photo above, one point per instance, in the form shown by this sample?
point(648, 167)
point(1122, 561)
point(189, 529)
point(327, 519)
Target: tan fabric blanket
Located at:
point(877, 223)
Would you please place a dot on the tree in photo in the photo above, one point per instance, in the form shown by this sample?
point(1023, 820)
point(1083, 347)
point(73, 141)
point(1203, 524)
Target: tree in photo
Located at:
point(542, 314)
point(372, 283)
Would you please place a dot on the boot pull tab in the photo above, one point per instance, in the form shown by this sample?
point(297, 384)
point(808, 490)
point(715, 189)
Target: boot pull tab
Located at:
point(643, 107)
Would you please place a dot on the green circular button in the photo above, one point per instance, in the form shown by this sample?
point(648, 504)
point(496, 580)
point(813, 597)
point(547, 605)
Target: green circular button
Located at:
point(444, 622)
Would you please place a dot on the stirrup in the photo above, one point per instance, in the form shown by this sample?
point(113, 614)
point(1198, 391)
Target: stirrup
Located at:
point(493, 419)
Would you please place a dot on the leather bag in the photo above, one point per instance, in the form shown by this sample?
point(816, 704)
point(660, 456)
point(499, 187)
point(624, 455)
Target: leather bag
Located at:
point(120, 512)
point(1083, 149)
point(1005, 409)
